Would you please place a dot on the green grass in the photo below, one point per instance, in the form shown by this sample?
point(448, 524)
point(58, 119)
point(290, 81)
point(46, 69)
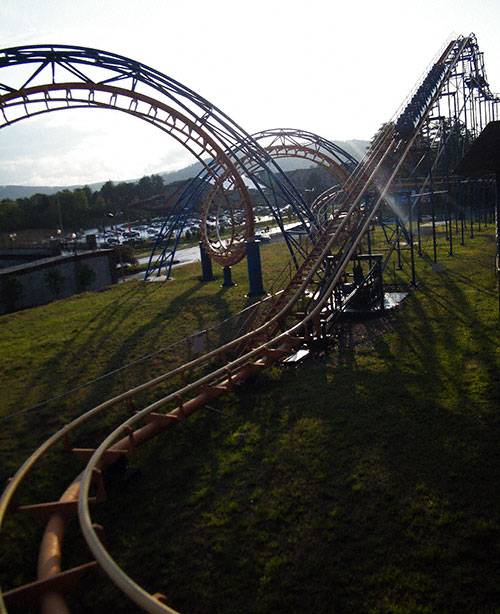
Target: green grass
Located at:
point(46, 351)
point(364, 481)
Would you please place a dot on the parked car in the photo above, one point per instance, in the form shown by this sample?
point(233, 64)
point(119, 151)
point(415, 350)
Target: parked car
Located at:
point(262, 236)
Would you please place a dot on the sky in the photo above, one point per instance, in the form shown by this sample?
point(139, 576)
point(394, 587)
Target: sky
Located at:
point(337, 69)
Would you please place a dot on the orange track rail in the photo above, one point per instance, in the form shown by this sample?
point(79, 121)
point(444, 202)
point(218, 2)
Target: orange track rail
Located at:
point(263, 346)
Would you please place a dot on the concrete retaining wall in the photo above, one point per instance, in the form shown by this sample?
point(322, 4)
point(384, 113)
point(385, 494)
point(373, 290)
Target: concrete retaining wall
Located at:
point(43, 281)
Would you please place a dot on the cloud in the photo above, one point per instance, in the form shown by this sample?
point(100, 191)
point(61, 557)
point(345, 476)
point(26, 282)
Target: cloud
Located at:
point(339, 70)
point(85, 146)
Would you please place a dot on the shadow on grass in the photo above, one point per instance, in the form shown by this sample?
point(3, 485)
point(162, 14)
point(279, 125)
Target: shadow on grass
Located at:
point(171, 316)
point(366, 482)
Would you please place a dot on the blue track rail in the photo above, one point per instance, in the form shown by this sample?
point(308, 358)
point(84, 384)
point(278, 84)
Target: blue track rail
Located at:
point(295, 315)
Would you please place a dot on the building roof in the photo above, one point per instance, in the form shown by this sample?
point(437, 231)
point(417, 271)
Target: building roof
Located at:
point(483, 156)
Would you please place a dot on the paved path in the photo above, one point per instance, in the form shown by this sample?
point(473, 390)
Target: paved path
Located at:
point(192, 254)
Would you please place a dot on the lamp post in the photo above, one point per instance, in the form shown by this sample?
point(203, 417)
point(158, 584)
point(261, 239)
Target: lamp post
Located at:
point(108, 215)
point(61, 230)
point(118, 247)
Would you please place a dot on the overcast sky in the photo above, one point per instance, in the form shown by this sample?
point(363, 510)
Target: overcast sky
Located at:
point(339, 69)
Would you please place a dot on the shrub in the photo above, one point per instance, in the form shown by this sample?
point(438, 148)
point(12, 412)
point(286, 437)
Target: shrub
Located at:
point(12, 291)
point(85, 276)
point(54, 281)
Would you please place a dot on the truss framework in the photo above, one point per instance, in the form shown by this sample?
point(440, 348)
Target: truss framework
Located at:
point(41, 79)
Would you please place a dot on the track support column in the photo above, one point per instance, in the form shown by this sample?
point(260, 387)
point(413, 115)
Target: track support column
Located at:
point(206, 265)
point(228, 279)
point(254, 269)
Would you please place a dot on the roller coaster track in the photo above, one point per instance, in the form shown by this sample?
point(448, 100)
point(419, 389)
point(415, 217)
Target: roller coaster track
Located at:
point(277, 143)
point(289, 319)
point(39, 79)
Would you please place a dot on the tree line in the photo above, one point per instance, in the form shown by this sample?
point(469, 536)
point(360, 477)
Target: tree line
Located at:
point(79, 208)
point(83, 208)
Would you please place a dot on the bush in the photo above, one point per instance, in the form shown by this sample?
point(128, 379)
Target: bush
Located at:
point(85, 276)
point(125, 254)
point(54, 281)
point(12, 291)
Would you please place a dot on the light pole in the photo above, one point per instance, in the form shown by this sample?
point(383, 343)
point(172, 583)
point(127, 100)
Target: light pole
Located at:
point(61, 230)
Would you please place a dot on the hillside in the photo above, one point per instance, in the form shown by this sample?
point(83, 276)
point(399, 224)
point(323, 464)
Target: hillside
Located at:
point(355, 147)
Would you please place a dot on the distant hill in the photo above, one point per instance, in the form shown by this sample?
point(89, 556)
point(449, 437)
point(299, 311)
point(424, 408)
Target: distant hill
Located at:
point(354, 147)
point(25, 191)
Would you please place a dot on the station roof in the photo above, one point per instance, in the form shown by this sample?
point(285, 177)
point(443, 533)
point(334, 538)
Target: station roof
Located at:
point(483, 156)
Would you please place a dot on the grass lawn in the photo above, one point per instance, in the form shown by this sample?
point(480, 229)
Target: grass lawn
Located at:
point(366, 480)
point(49, 350)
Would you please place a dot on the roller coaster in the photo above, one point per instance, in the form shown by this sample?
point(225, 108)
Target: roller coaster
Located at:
point(414, 154)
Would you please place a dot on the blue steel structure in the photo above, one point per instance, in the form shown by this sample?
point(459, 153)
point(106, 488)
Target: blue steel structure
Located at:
point(419, 148)
point(56, 77)
point(461, 63)
point(278, 143)
point(414, 154)
point(444, 115)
